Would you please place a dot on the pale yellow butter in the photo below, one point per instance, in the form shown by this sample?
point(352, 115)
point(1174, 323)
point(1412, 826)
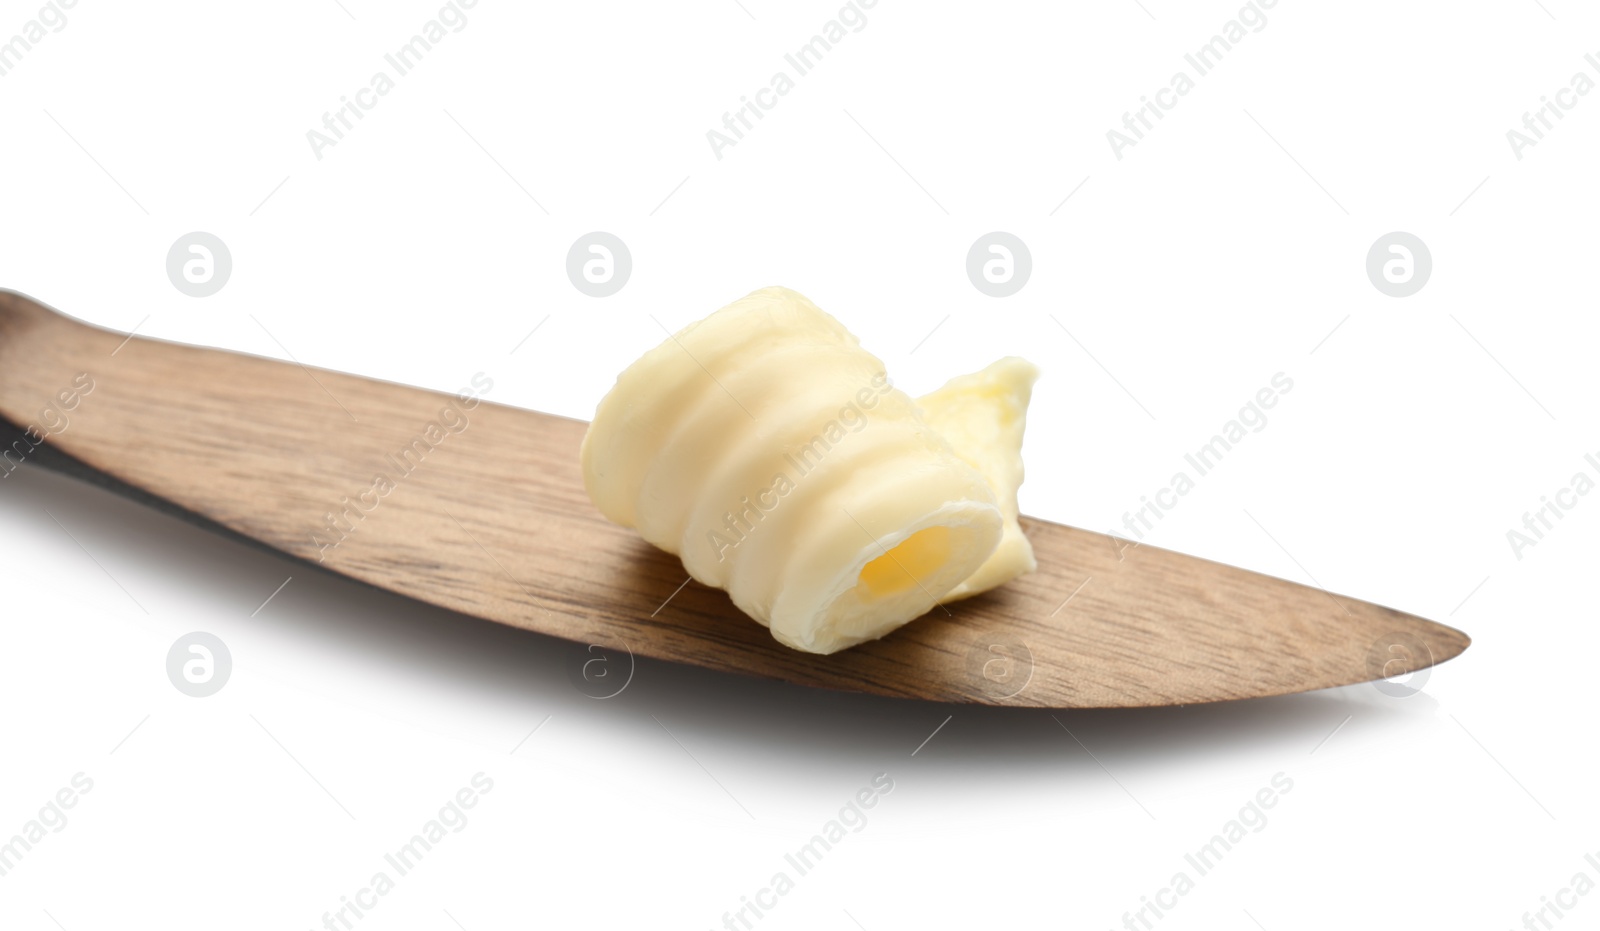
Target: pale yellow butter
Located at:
point(769, 451)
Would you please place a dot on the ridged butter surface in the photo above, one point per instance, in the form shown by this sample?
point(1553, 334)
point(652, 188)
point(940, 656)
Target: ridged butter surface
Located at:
point(772, 454)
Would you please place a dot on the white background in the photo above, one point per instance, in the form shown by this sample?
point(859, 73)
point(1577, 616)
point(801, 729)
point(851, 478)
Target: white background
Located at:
point(1226, 246)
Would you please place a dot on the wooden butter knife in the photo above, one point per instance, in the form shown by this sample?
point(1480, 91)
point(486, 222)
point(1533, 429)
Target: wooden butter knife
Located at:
point(483, 511)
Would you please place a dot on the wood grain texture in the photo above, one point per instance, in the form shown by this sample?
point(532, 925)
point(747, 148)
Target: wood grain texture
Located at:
point(494, 522)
